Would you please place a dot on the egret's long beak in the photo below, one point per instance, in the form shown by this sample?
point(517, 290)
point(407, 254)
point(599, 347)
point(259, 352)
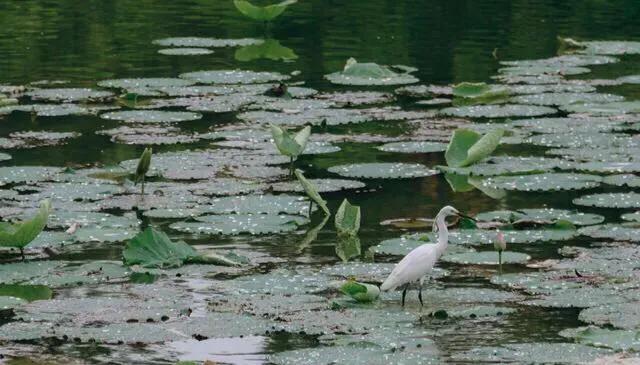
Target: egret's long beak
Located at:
point(466, 216)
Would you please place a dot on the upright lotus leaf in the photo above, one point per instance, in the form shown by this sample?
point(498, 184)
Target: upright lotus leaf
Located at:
point(143, 167)
point(348, 219)
point(312, 193)
point(290, 144)
point(467, 147)
point(21, 234)
point(154, 249)
point(361, 292)
point(262, 13)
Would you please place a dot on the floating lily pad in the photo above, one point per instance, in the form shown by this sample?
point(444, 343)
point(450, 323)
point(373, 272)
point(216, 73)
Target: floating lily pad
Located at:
point(69, 95)
point(634, 217)
point(413, 147)
point(548, 214)
point(355, 98)
point(613, 108)
point(322, 185)
point(509, 165)
point(566, 98)
point(618, 232)
point(486, 258)
point(478, 237)
point(232, 224)
point(202, 42)
point(151, 116)
point(543, 182)
point(233, 77)
point(617, 340)
point(383, 170)
point(610, 200)
point(618, 315)
point(259, 204)
point(397, 246)
point(610, 47)
point(185, 51)
point(368, 73)
point(609, 167)
point(356, 353)
point(148, 135)
point(129, 84)
point(498, 111)
point(566, 125)
point(535, 70)
point(26, 174)
point(533, 353)
point(46, 110)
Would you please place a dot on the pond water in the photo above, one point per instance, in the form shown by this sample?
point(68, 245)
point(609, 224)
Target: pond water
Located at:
point(218, 183)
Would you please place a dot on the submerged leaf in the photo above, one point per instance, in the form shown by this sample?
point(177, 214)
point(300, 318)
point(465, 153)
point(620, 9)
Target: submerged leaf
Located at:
point(262, 13)
point(21, 234)
point(29, 293)
point(348, 219)
point(467, 147)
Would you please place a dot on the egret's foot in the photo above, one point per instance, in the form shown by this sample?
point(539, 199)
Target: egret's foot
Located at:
point(404, 294)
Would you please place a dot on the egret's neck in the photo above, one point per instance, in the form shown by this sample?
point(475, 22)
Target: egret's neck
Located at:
point(443, 234)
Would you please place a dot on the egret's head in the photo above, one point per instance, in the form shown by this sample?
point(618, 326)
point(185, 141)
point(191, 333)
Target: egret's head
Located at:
point(449, 211)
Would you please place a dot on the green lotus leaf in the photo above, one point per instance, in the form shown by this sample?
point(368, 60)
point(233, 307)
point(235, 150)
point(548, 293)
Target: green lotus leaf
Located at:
point(288, 143)
point(29, 293)
point(152, 248)
point(467, 147)
point(383, 170)
point(486, 258)
point(347, 219)
point(312, 192)
point(262, 13)
point(348, 247)
point(361, 292)
point(21, 234)
point(543, 182)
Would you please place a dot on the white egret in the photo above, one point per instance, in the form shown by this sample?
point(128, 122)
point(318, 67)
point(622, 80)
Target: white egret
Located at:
point(421, 260)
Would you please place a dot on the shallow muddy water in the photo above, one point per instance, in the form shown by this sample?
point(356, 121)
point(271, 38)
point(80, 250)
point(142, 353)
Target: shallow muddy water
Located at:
point(218, 183)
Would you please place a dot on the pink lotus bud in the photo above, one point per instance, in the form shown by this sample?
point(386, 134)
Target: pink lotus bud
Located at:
point(500, 244)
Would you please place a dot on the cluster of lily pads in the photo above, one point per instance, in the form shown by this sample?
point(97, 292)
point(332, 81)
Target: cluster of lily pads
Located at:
point(248, 182)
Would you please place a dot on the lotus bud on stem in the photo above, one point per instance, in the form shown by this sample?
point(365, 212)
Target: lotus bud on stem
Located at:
point(500, 245)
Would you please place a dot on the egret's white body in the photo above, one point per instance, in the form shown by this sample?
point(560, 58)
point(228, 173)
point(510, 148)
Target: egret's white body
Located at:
point(419, 262)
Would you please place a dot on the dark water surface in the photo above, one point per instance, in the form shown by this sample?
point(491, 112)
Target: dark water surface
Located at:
point(448, 41)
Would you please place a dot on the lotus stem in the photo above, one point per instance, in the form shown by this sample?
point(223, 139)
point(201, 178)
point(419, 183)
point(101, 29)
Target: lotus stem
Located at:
point(142, 186)
point(500, 262)
point(291, 166)
point(310, 208)
point(22, 253)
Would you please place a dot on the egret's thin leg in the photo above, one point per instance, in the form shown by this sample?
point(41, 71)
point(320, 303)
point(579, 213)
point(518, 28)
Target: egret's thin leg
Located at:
point(404, 293)
point(420, 292)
